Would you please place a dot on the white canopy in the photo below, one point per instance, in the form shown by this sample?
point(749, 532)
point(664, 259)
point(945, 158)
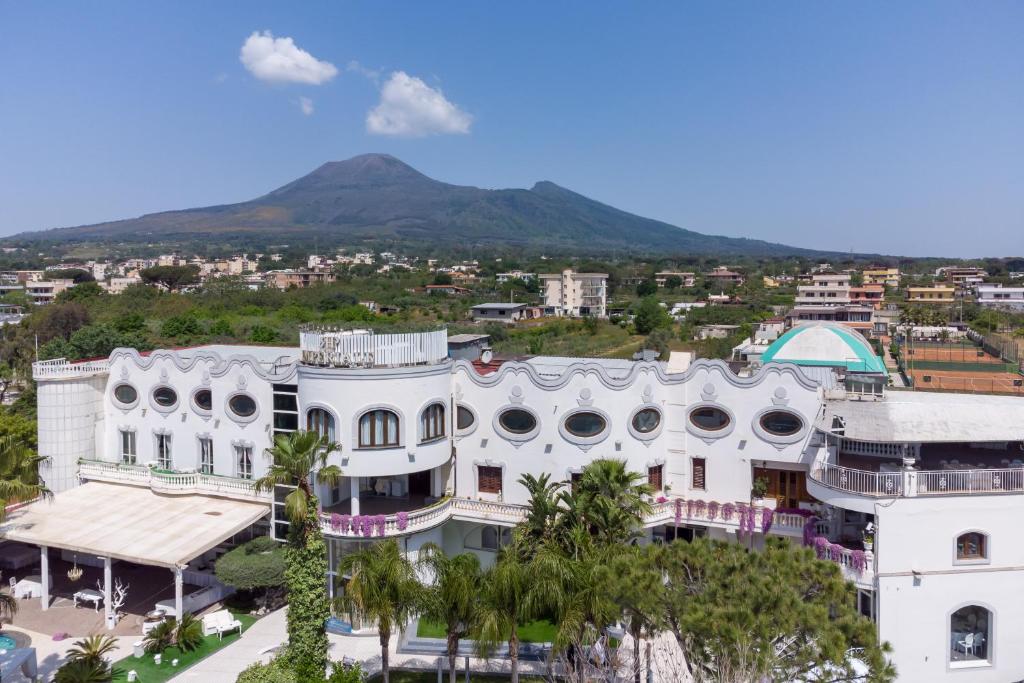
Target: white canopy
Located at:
point(131, 523)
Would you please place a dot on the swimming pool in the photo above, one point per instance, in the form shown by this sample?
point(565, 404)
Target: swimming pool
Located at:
point(7, 643)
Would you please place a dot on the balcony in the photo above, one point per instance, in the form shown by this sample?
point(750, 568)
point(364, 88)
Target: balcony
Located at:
point(170, 483)
point(62, 368)
point(339, 348)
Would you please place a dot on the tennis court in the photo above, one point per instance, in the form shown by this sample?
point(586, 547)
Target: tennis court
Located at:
point(968, 381)
point(950, 354)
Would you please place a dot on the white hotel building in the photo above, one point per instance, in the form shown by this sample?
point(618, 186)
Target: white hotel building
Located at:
point(432, 449)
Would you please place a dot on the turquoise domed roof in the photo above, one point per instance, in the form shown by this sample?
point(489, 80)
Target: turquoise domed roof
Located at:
point(827, 344)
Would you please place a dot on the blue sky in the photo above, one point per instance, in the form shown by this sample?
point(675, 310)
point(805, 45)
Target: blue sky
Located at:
point(884, 127)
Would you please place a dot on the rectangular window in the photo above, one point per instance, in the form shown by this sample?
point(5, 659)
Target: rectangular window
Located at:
point(206, 455)
point(128, 451)
point(164, 460)
point(489, 479)
point(654, 478)
point(697, 473)
point(243, 460)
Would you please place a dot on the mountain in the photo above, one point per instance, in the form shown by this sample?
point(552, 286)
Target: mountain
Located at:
point(378, 197)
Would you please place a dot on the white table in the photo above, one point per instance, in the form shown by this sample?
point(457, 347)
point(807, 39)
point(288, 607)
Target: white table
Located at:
point(89, 595)
point(30, 587)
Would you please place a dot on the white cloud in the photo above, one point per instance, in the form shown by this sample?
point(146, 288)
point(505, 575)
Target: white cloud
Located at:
point(280, 60)
point(410, 108)
point(356, 67)
point(306, 105)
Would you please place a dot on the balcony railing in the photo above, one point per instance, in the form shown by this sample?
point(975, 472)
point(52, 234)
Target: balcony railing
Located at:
point(400, 524)
point(171, 483)
point(336, 348)
point(919, 482)
point(62, 368)
point(863, 482)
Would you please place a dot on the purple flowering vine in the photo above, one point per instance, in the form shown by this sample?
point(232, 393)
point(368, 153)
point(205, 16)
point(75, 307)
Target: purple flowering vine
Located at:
point(821, 547)
point(402, 521)
point(690, 504)
point(699, 507)
point(713, 508)
point(727, 511)
point(860, 561)
point(767, 517)
point(335, 521)
point(662, 499)
point(679, 510)
point(809, 531)
point(381, 522)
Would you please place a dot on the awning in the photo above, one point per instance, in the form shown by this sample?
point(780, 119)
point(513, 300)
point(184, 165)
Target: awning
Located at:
point(131, 523)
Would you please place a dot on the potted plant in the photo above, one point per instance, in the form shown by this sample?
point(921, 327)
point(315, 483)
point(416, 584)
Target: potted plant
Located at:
point(869, 537)
point(760, 488)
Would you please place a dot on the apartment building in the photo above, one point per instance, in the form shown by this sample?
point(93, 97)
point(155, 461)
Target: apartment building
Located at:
point(962, 277)
point(41, 292)
point(502, 278)
point(721, 275)
point(998, 296)
point(687, 279)
point(871, 295)
point(825, 289)
point(575, 294)
point(283, 279)
point(937, 294)
point(888, 277)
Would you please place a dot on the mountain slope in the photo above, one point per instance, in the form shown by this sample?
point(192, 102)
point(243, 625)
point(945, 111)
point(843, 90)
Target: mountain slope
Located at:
point(376, 196)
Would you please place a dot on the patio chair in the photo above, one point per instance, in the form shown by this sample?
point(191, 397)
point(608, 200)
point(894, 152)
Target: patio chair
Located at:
point(967, 643)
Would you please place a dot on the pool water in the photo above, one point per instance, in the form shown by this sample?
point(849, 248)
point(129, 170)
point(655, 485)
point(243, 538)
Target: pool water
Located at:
point(7, 643)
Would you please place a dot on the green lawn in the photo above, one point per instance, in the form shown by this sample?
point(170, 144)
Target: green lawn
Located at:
point(148, 672)
point(542, 631)
point(431, 677)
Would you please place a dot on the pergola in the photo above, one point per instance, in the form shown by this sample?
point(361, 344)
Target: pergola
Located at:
point(129, 523)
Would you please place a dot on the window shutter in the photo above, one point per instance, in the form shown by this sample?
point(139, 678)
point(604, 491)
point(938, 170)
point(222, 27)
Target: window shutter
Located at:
point(489, 479)
point(654, 478)
point(697, 473)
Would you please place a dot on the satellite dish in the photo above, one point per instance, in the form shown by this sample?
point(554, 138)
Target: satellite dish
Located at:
point(486, 356)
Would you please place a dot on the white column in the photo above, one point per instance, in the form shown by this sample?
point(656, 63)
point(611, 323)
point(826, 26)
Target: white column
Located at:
point(178, 581)
point(44, 567)
point(354, 507)
point(107, 581)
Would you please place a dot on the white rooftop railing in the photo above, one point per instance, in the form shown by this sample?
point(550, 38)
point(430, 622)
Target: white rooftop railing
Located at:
point(335, 348)
point(61, 368)
point(918, 482)
point(171, 483)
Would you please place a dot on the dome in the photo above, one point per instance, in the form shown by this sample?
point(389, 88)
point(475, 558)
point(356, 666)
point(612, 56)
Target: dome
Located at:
point(827, 344)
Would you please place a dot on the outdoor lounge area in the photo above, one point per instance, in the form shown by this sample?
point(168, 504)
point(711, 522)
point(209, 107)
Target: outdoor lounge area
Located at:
point(119, 534)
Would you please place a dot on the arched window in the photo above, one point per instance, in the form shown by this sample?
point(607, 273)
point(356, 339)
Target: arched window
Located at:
point(972, 545)
point(378, 429)
point(970, 636)
point(489, 538)
point(320, 421)
point(432, 423)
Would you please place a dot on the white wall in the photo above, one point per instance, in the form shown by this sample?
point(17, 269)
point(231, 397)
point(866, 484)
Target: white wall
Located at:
point(69, 416)
point(919, 534)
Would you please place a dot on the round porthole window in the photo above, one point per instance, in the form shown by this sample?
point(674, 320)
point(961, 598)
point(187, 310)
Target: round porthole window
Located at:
point(464, 418)
point(126, 394)
point(781, 423)
point(165, 397)
point(709, 419)
point(585, 424)
point(242, 405)
point(646, 420)
point(517, 421)
point(203, 400)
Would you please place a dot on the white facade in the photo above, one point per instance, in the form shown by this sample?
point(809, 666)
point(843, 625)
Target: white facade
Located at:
point(576, 294)
point(997, 296)
point(439, 444)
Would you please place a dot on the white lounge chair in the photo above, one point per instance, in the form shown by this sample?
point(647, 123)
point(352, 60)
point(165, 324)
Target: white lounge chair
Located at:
point(220, 622)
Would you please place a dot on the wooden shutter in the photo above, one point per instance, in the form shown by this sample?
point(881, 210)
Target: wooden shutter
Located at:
point(489, 479)
point(654, 478)
point(697, 473)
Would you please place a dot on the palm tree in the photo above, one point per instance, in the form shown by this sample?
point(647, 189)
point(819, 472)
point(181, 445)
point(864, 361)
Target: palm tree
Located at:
point(610, 500)
point(381, 586)
point(638, 589)
point(543, 504)
point(8, 606)
point(92, 648)
point(453, 597)
point(507, 599)
point(19, 474)
point(293, 457)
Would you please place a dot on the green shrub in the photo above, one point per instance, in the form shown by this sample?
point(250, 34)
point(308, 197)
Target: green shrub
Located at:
point(160, 637)
point(181, 326)
point(188, 635)
point(221, 328)
point(261, 334)
point(274, 672)
point(346, 674)
point(255, 565)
